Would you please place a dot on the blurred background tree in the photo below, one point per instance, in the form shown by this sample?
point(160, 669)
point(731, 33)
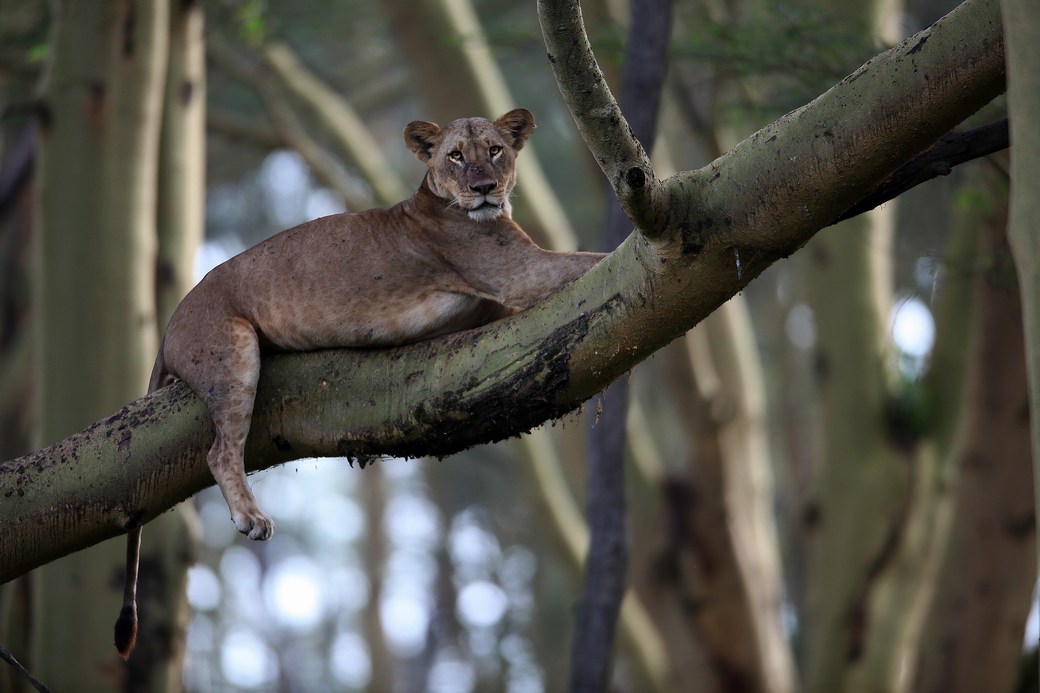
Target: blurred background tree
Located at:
point(829, 478)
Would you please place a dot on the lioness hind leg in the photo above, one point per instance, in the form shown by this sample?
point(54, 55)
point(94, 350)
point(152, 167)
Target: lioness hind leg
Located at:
point(228, 386)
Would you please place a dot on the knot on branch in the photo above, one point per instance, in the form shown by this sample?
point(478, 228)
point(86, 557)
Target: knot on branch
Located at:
point(635, 177)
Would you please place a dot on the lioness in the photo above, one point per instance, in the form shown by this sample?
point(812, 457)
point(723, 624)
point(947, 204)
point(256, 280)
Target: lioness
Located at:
point(450, 258)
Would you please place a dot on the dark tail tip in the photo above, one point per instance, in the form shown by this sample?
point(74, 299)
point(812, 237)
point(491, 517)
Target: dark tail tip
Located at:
point(126, 630)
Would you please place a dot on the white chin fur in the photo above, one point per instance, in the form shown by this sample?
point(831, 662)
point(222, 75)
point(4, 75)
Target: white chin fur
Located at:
point(485, 213)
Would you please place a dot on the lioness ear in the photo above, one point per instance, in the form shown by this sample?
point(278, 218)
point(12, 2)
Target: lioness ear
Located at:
point(515, 127)
point(421, 137)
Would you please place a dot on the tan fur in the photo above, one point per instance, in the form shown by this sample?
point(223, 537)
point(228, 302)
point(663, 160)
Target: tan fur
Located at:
point(448, 259)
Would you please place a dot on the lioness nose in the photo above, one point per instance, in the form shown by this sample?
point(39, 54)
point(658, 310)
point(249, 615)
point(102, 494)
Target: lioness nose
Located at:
point(483, 189)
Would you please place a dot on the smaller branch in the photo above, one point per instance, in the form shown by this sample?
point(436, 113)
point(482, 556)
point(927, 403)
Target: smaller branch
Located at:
point(951, 150)
point(343, 123)
point(242, 129)
point(6, 655)
point(286, 124)
point(13, 63)
point(599, 119)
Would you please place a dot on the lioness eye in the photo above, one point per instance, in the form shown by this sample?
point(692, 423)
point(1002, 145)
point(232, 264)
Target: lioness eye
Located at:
point(455, 155)
point(495, 150)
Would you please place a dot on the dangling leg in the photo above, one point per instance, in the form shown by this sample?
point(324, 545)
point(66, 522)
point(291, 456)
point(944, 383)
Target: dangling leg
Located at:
point(227, 383)
point(232, 412)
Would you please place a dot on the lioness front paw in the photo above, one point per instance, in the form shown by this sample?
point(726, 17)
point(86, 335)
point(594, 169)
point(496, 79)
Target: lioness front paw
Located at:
point(256, 525)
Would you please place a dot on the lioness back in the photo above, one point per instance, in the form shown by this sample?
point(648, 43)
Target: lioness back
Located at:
point(346, 280)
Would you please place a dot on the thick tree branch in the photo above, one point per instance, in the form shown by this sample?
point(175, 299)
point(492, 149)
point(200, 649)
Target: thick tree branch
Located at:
point(759, 202)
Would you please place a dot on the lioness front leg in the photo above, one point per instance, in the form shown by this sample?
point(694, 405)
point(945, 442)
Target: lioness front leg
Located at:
point(543, 273)
point(227, 383)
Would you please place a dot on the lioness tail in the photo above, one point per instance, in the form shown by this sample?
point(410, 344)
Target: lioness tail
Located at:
point(126, 624)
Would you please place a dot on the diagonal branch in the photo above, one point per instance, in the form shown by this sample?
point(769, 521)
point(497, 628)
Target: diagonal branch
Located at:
point(6, 655)
point(286, 123)
point(342, 122)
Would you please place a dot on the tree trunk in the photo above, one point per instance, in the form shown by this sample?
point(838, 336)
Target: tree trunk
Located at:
point(730, 382)
point(374, 556)
point(973, 639)
point(169, 543)
point(1022, 31)
point(17, 375)
point(713, 582)
point(606, 564)
point(873, 520)
point(99, 133)
point(180, 217)
point(860, 489)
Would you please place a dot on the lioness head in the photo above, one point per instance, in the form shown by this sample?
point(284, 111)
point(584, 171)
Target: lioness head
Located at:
point(472, 161)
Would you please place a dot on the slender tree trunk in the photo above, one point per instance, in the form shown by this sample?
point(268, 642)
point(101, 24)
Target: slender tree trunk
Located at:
point(973, 637)
point(375, 554)
point(17, 381)
point(99, 134)
point(860, 490)
point(606, 566)
point(169, 543)
point(180, 216)
point(731, 387)
point(1022, 34)
point(606, 563)
point(714, 553)
point(858, 625)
